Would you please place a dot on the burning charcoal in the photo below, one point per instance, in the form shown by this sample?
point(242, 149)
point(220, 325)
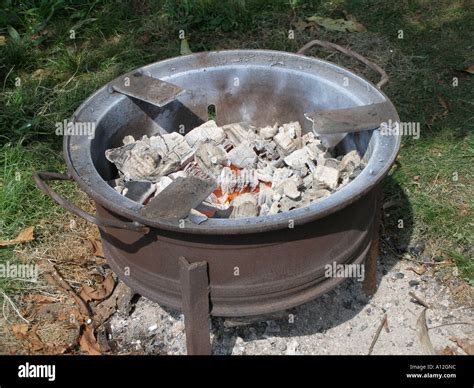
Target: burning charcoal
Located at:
point(269, 131)
point(243, 155)
point(129, 139)
point(350, 162)
point(264, 210)
point(275, 208)
point(244, 205)
point(265, 195)
point(138, 191)
point(288, 138)
point(327, 172)
point(289, 188)
point(279, 175)
point(238, 132)
point(136, 161)
point(308, 180)
point(265, 174)
point(207, 132)
point(315, 194)
point(236, 181)
point(287, 204)
point(217, 202)
point(211, 158)
point(162, 183)
point(178, 174)
point(196, 217)
point(173, 143)
point(257, 171)
point(300, 158)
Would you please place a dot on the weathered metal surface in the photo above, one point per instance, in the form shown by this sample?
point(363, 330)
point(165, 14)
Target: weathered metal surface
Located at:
point(145, 88)
point(370, 281)
point(254, 274)
point(195, 301)
point(359, 118)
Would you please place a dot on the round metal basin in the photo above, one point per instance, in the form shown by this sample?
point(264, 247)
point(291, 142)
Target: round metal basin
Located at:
point(256, 265)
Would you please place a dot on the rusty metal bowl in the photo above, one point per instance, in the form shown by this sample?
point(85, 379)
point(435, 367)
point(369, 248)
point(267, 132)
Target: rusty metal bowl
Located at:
point(256, 265)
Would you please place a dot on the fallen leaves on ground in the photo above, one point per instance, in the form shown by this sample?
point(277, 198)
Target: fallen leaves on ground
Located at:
point(100, 291)
point(88, 341)
point(25, 235)
point(97, 247)
point(338, 24)
point(419, 270)
point(20, 330)
point(444, 103)
point(470, 69)
point(447, 351)
point(39, 72)
point(464, 344)
point(54, 279)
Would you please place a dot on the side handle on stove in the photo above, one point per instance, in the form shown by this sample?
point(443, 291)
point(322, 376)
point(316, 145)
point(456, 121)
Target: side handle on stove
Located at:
point(40, 178)
point(329, 45)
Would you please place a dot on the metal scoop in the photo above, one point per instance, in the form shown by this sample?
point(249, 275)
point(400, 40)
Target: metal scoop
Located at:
point(331, 126)
point(145, 88)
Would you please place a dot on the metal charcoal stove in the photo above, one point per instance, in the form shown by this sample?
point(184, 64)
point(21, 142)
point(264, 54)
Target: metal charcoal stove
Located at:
point(231, 267)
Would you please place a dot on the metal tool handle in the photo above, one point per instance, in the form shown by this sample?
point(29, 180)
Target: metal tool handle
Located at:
point(40, 178)
point(329, 45)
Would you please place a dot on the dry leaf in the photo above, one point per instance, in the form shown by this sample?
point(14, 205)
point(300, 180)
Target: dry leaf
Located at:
point(41, 299)
point(3, 40)
point(442, 101)
point(25, 235)
point(447, 351)
point(39, 73)
point(97, 246)
point(464, 344)
point(56, 280)
point(20, 330)
point(102, 290)
point(337, 24)
point(88, 342)
point(470, 69)
point(34, 342)
point(423, 334)
point(419, 270)
point(301, 25)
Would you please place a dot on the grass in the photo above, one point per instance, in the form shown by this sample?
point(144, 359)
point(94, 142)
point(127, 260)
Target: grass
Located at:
point(56, 73)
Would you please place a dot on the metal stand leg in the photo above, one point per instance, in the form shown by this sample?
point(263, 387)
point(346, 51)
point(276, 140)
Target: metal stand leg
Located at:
point(196, 308)
point(370, 281)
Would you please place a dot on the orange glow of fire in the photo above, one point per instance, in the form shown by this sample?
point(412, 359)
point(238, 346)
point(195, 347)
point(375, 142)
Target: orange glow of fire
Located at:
point(231, 196)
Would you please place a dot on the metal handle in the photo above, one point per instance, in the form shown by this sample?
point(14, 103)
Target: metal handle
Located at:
point(41, 177)
point(329, 45)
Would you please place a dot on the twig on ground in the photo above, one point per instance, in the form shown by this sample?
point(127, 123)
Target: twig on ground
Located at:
point(55, 278)
point(419, 299)
point(377, 333)
point(450, 324)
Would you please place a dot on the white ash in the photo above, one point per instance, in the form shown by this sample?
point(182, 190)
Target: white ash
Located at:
point(259, 171)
